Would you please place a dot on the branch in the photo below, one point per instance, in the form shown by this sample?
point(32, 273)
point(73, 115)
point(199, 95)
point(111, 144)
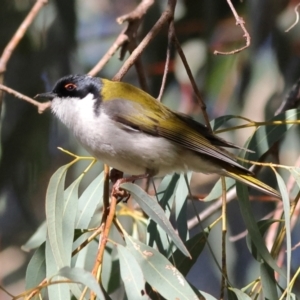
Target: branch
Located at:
point(241, 22)
point(126, 37)
point(40, 106)
point(166, 17)
point(19, 34)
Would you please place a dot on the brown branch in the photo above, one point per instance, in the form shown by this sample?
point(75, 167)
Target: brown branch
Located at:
point(240, 22)
point(167, 64)
point(166, 16)
point(8, 50)
point(126, 39)
point(40, 106)
point(19, 34)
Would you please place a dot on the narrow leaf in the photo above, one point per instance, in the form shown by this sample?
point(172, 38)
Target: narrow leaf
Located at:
point(36, 269)
point(159, 272)
point(253, 230)
point(287, 212)
point(240, 295)
point(155, 212)
point(37, 239)
point(131, 274)
point(88, 202)
point(82, 276)
point(269, 283)
point(195, 245)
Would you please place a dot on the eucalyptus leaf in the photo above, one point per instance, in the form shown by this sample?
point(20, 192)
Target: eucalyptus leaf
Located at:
point(81, 276)
point(132, 275)
point(287, 212)
point(159, 272)
point(37, 239)
point(253, 230)
point(54, 215)
point(36, 269)
point(195, 246)
point(268, 281)
point(240, 295)
point(89, 201)
point(155, 212)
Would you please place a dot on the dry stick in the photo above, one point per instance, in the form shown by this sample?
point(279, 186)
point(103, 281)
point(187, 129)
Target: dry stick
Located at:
point(167, 64)
point(241, 22)
point(297, 18)
point(134, 19)
point(8, 50)
point(166, 16)
point(191, 77)
point(40, 106)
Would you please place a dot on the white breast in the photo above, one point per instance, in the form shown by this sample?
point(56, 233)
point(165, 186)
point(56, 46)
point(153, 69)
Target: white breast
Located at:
point(121, 147)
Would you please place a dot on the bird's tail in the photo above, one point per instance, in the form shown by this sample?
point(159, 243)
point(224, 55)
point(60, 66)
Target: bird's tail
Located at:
point(253, 182)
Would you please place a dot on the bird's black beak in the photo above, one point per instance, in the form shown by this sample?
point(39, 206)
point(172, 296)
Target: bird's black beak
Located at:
point(45, 96)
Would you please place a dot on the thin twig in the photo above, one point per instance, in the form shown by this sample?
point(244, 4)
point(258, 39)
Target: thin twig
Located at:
point(167, 63)
point(239, 21)
point(297, 18)
point(165, 17)
point(19, 34)
point(191, 78)
point(40, 106)
point(127, 35)
point(12, 44)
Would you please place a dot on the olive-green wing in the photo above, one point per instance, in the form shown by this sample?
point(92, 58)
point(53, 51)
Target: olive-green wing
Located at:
point(173, 126)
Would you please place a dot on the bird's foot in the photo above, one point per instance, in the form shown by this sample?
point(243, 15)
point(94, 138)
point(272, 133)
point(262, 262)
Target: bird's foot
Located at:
point(120, 193)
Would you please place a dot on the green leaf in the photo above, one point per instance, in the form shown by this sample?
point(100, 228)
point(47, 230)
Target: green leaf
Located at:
point(58, 291)
point(195, 245)
point(253, 230)
point(81, 276)
point(54, 215)
point(182, 192)
point(159, 272)
point(155, 212)
point(268, 281)
point(131, 274)
point(265, 136)
point(263, 226)
point(37, 239)
point(88, 202)
point(287, 211)
point(36, 269)
point(239, 294)
point(69, 215)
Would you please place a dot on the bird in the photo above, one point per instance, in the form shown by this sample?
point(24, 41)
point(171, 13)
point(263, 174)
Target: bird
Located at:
point(129, 130)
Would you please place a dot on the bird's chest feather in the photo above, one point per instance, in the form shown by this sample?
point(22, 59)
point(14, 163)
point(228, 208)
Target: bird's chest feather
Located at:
point(114, 143)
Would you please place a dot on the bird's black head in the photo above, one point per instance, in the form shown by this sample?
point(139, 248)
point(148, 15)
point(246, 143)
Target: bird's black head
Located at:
point(74, 86)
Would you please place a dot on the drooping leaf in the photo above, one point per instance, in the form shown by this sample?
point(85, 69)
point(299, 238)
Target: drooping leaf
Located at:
point(82, 276)
point(36, 269)
point(37, 239)
point(253, 230)
point(155, 212)
point(131, 274)
point(268, 281)
point(88, 202)
point(195, 245)
point(159, 272)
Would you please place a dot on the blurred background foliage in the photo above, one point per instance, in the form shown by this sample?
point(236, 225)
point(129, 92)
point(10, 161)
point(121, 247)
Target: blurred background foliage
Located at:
point(70, 36)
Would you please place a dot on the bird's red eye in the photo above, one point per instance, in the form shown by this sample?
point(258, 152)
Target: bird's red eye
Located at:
point(70, 87)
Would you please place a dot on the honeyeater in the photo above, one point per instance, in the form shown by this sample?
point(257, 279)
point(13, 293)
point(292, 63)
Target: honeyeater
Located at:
point(129, 130)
